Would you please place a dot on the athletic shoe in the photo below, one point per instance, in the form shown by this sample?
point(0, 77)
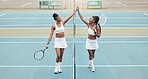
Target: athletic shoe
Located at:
point(89, 65)
point(93, 68)
point(60, 71)
point(56, 70)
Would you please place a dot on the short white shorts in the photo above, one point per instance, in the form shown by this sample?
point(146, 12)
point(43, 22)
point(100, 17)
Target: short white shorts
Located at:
point(91, 44)
point(60, 43)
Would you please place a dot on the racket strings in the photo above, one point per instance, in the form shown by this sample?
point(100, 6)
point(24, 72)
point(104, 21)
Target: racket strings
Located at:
point(103, 19)
point(39, 54)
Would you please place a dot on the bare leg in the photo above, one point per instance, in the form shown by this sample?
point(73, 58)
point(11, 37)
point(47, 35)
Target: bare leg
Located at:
point(91, 57)
point(60, 61)
point(61, 54)
point(91, 54)
point(56, 70)
point(58, 55)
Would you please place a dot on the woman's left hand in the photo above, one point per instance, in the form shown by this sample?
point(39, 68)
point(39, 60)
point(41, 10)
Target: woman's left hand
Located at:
point(77, 8)
point(94, 29)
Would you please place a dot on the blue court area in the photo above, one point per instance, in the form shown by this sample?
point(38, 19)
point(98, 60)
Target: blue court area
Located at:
point(44, 19)
point(116, 58)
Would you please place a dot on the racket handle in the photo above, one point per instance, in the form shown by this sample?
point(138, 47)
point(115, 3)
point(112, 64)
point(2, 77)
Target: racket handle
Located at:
point(46, 47)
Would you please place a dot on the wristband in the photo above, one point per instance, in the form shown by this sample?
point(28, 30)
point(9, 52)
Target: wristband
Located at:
point(48, 43)
point(79, 13)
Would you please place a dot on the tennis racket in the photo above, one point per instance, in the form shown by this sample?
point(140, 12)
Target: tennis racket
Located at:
point(103, 19)
point(39, 55)
point(101, 22)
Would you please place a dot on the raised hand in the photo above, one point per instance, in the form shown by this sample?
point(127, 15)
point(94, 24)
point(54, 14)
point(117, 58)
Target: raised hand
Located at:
point(77, 8)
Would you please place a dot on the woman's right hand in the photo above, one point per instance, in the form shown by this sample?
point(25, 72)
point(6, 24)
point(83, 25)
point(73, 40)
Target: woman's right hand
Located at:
point(46, 46)
point(77, 8)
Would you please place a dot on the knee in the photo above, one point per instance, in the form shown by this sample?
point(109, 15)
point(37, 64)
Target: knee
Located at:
point(91, 56)
point(58, 57)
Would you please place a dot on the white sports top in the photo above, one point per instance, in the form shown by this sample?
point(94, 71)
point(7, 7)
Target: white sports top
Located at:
point(59, 29)
point(91, 32)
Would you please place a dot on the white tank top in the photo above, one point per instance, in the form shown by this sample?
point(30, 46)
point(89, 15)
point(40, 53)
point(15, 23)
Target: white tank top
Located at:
point(59, 29)
point(91, 32)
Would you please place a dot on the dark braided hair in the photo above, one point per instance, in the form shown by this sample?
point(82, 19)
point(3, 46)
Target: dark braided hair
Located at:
point(55, 15)
point(96, 18)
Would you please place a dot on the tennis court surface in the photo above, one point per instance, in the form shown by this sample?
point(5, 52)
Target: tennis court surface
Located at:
point(118, 57)
point(123, 46)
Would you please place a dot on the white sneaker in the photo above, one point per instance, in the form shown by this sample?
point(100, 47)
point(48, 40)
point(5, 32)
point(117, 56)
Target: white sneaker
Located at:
point(60, 71)
point(89, 65)
point(93, 68)
point(59, 67)
point(56, 70)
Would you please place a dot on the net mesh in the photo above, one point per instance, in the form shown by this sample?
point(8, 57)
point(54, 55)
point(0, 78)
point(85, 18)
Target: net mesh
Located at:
point(74, 32)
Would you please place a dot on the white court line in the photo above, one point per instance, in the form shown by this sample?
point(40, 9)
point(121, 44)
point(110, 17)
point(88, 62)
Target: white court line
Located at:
point(65, 12)
point(145, 14)
point(39, 18)
point(121, 3)
point(81, 37)
point(114, 65)
point(44, 66)
point(79, 27)
point(26, 4)
point(26, 18)
point(72, 24)
point(78, 18)
point(78, 42)
point(2, 14)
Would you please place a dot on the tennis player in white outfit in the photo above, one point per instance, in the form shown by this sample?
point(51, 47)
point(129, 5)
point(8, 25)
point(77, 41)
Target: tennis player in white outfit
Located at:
point(94, 31)
point(59, 42)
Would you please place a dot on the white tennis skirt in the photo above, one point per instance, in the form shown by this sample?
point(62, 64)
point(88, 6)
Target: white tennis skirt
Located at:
point(60, 43)
point(91, 44)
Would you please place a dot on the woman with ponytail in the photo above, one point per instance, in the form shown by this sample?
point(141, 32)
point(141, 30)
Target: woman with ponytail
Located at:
point(94, 31)
point(59, 41)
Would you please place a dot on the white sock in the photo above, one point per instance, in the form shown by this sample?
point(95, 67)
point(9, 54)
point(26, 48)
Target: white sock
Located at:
point(57, 64)
point(59, 67)
point(92, 62)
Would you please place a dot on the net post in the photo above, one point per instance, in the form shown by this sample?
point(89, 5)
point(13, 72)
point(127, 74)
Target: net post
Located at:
point(74, 41)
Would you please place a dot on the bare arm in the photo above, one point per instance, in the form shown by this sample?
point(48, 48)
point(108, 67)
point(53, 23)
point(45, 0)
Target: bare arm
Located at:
point(82, 18)
point(98, 32)
point(51, 33)
point(68, 18)
point(50, 36)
